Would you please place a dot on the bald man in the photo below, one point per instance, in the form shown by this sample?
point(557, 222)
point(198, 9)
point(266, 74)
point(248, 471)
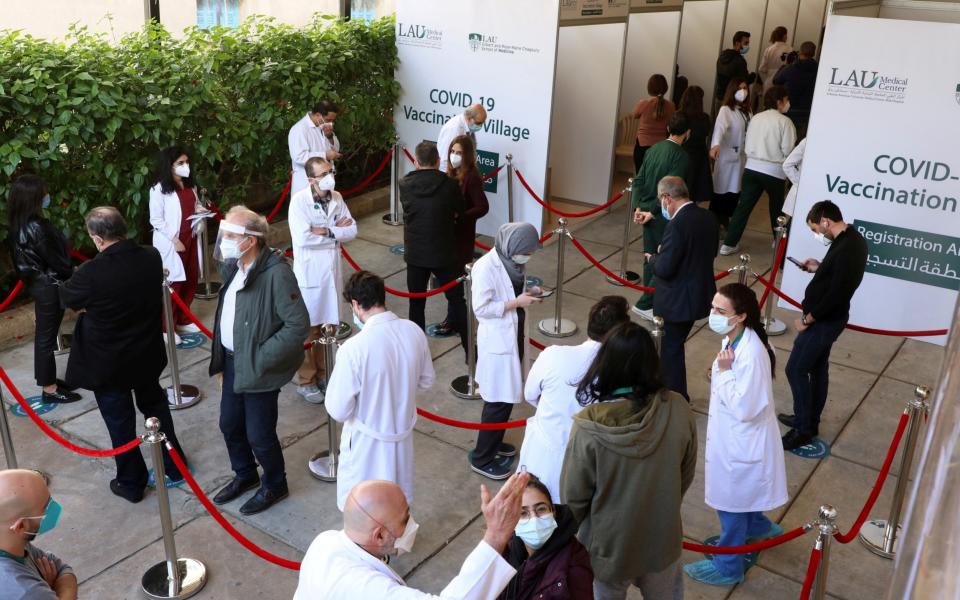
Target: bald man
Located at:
point(467, 123)
point(26, 511)
point(351, 563)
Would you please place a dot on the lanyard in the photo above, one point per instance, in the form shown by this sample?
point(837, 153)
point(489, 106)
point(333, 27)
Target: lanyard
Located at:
point(736, 341)
point(622, 391)
point(19, 559)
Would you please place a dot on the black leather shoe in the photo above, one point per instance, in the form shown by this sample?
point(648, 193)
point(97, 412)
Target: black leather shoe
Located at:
point(63, 384)
point(234, 489)
point(61, 396)
point(794, 439)
point(786, 419)
point(127, 494)
point(263, 500)
point(505, 449)
point(444, 329)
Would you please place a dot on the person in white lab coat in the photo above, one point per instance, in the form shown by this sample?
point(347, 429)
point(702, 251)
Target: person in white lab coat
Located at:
point(727, 149)
point(773, 57)
point(312, 136)
point(552, 387)
point(373, 390)
point(499, 300)
point(744, 466)
point(792, 167)
point(467, 123)
point(351, 563)
point(319, 222)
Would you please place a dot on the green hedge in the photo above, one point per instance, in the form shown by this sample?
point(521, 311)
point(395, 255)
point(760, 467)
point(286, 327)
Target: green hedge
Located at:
point(89, 115)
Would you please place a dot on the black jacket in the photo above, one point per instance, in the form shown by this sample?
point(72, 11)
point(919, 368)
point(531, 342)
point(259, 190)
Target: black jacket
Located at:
point(683, 267)
point(799, 78)
point(730, 64)
point(835, 281)
point(432, 202)
point(39, 252)
point(117, 341)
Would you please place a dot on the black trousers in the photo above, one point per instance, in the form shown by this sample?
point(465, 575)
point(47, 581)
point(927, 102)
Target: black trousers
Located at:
point(117, 409)
point(417, 278)
point(723, 205)
point(488, 441)
point(638, 153)
point(673, 362)
point(48, 315)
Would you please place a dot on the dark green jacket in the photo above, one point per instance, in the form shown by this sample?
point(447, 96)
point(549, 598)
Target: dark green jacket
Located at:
point(662, 159)
point(269, 328)
point(624, 475)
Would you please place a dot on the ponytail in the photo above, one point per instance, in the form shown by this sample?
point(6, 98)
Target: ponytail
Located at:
point(659, 108)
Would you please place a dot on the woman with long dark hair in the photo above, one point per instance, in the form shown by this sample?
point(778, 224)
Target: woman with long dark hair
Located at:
point(745, 470)
point(39, 252)
point(653, 114)
point(699, 183)
point(631, 456)
point(173, 200)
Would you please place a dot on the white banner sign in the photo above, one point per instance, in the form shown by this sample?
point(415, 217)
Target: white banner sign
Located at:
point(500, 53)
point(571, 10)
point(883, 146)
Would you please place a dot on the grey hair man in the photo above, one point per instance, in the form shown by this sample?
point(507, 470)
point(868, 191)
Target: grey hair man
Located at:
point(469, 123)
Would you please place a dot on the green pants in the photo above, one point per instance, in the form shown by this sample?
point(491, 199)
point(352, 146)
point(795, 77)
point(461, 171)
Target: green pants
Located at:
point(754, 185)
point(652, 236)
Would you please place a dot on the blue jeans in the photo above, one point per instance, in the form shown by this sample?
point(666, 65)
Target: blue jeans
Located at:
point(735, 528)
point(249, 425)
point(808, 373)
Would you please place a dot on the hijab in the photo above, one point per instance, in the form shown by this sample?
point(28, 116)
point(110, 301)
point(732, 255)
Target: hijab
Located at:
point(513, 239)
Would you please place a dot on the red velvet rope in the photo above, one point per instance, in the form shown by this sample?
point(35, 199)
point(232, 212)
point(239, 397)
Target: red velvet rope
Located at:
point(607, 271)
point(186, 310)
point(73, 253)
point(561, 213)
point(363, 184)
point(450, 284)
point(283, 198)
point(848, 537)
point(721, 275)
point(489, 176)
point(471, 424)
point(483, 247)
point(812, 567)
point(219, 518)
point(56, 436)
point(747, 548)
point(781, 250)
point(13, 294)
point(410, 157)
point(536, 344)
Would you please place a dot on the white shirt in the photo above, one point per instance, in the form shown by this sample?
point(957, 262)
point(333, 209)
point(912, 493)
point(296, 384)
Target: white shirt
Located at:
point(335, 568)
point(791, 168)
point(452, 128)
point(305, 141)
point(229, 309)
point(770, 62)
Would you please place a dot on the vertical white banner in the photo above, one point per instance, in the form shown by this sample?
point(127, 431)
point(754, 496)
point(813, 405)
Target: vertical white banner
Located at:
point(883, 146)
point(500, 53)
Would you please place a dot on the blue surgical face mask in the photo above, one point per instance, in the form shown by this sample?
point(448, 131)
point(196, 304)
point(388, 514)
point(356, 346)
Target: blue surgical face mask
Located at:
point(665, 212)
point(744, 49)
point(45, 203)
point(474, 127)
point(535, 531)
point(51, 517)
point(720, 324)
point(357, 322)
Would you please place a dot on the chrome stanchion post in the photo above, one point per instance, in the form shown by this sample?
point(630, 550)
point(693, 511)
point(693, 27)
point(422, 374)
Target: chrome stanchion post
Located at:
point(178, 395)
point(8, 451)
point(878, 535)
point(657, 332)
point(558, 327)
point(344, 329)
point(509, 188)
point(773, 325)
point(826, 526)
point(323, 465)
point(395, 216)
point(63, 343)
point(743, 268)
point(465, 386)
point(206, 288)
point(174, 578)
point(630, 276)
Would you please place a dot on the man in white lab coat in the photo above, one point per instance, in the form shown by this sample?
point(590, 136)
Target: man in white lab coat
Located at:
point(467, 123)
point(312, 136)
point(373, 390)
point(351, 563)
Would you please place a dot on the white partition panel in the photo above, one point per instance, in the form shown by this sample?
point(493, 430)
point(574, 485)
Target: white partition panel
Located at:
point(651, 48)
point(586, 100)
point(810, 22)
point(920, 10)
point(746, 15)
point(856, 8)
point(700, 42)
point(781, 12)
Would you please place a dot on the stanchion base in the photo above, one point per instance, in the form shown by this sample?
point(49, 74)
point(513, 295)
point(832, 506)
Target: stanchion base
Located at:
point(343, 331)
point(775, 327)
point(322, 467)
point(208, 291)
point(389, 220)
point(189, 395)
point(871, 536)
point(461, 388)
point(193, 576)
point(628, 275)
point(63, 344)
point(557, 329)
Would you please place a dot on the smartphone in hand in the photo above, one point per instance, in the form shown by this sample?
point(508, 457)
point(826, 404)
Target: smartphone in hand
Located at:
point(799, 264)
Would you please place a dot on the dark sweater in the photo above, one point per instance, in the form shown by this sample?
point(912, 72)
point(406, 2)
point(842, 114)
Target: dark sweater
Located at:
point(837, 278)
point(431, 202)
point(799, 79)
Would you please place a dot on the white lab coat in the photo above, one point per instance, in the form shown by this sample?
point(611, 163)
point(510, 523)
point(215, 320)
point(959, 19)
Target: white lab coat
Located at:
point(552, 386)
point(316, 258)
point(373, 392)
point(744, 465)
point(792, 167)
point(498, 358)
point(770, 62)
point(305, 141)
point(335, 568)
point(452, 128)
point(165, 219)
point(730, 133)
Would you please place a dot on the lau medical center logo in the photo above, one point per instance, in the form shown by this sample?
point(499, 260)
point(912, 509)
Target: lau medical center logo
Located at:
point(413, 34)
point(864, 84)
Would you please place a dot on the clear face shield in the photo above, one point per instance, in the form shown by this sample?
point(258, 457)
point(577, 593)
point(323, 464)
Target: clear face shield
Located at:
point(233, 241)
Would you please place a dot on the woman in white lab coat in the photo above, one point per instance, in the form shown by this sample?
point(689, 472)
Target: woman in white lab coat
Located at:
point(744, 465)
point(173, 200)
point(727, 149)
point(791, 167)
point(773, 56)
point(499, 298)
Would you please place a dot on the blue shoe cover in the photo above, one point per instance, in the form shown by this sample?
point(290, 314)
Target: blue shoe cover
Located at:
point(773, 532)
point(706, 572)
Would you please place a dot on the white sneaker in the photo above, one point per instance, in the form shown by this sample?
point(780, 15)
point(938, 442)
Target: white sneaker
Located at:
point(643, 314)
point(726, 250)
point(177, 340)
point(311, 393)
point(188, 328)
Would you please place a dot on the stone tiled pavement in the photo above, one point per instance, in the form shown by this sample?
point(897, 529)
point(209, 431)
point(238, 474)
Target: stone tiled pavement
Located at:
point(111, 543)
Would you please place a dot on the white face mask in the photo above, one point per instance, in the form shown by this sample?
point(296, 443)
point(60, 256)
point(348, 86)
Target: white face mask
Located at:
point(327, 183)
point(455, 160)
point(822, 238)
point(404, 543)
point(357, 322)
point(520, 259)
point(786, 107)
point(720, 324)
point(182, 170)
point(230, 249)
point(740, 95)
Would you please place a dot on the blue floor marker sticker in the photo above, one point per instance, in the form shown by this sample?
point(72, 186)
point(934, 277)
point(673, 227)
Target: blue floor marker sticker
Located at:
point(749, 560)
point(37, 404)
point(190, 340)
point(432, 332)
point(169, 483)
point(398, 250)
point(815, 449)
